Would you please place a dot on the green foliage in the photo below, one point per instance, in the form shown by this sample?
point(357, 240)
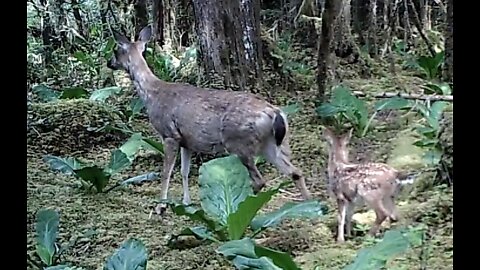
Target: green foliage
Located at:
point(132, 255)
point(229, 207)
point(431, 65)
point(47, 94)
point(441, 88)
point(47, 222)
point(245, 254)
point(168, 67)
point(135, 107)
point(395, 242)
point(343, 107)
point(98, 176)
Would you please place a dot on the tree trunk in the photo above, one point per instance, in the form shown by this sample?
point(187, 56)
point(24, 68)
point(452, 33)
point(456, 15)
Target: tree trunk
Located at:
point(372, 27)
point(141, 16)
point(229, 39)
point(78, 16)
point(331, 11)
point(47, 34)
point(158, 21)
point(448, 66)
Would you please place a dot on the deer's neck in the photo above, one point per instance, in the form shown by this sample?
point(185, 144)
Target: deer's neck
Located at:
point(336, 161)
point(145, 82)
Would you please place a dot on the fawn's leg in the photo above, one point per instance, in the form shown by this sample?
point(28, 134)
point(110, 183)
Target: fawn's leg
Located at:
point(280, 158)
point(389, 203)
point(342, 212)
point(185, 156)
point(381, 214)
point(349, 214)
point(170, 148)
point(258, 182)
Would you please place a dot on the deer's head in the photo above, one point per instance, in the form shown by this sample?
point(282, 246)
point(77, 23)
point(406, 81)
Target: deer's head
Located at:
point(338, 144)
point(127, 51)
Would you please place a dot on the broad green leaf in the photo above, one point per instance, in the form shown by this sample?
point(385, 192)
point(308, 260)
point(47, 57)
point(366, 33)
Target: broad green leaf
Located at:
point(94, 175)
point(151, 176)
point(327, 110)
point(104, 93)
point(45, 93)
point(118, 162)
point(433, 156)
point(195, 214)
point(438, 88)
point(426, 131)
point(132, 145)
point(63, 165)
point(375, 257)
point(306, 209)
point(430, 65)
point(132, 255)
point(201, 233)
point(435, 113)
point(224, 184)
point(361, 112)
point(47, 222)
point(247, 210)
point(394, 103)
point(74, 92)
point(291, 109)
point(242, 254)
point(154, 145)
point(281, 259)
point(425, 142)
point(136, 105)
point(63, 267)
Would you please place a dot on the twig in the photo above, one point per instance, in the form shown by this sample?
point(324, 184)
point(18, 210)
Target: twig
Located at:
point(407, 96)
point(416, 22)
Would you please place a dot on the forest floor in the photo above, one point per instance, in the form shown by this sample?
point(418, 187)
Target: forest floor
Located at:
point(97, 224)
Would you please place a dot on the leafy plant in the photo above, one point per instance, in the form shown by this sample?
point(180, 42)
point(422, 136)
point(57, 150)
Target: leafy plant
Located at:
point(132, 255)
point(47, 94)
point(47, 222)
point(430, 131)
point(430, 65)
point(98, 176)
point(394, 242)
point(229, 208)
point(343, 107)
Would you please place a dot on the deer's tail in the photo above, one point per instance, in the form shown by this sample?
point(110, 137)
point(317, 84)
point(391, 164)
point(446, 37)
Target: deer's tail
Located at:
point(405, 179)
point(280, 127)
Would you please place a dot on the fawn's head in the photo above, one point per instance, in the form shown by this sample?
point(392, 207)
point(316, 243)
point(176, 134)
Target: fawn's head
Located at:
point(127, 51)
point(338, 144)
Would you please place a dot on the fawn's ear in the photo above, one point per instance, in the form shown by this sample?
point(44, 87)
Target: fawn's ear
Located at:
point(120, 39)
point(145, 34)
point(348, 135)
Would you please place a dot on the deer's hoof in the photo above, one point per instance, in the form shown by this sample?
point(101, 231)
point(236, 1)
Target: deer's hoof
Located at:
point(161, 209)
point(258, 187)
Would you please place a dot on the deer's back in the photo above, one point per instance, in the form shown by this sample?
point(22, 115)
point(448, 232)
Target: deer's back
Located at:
point(367, 179)
point(199, 118)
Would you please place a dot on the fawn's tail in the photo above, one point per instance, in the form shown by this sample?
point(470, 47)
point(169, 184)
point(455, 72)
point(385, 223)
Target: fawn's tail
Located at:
point(405, 179)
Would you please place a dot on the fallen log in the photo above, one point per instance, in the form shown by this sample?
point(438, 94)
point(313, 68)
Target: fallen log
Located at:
point(407, 96)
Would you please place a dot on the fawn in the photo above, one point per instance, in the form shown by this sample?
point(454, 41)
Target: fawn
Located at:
point(208, 121)
point(373, 183)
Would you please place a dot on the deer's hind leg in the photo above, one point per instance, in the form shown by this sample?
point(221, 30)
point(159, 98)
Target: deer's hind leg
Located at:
point(279, 156)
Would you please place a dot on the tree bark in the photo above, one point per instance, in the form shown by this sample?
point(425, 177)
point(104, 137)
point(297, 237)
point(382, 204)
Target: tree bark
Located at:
point(158, 21)
point(141, 16)
point(228, 34)
point(331, 11)
point(448, 66)
point(78, 16)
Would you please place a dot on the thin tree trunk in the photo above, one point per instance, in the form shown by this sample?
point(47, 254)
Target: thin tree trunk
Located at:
point(372, 28)
point(229, 39)
point(158, 22)
point(141, 16)
point(78, 16)
point(331, 11)
point(448, 66)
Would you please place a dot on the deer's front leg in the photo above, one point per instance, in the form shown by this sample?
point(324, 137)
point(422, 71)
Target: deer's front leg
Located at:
point(185, 156)
point(342, 213)
point(170, 148)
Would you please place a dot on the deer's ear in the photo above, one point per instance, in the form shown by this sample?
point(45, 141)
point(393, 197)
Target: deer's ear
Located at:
point(348, 135)
point(120, 38)
point(145, 34)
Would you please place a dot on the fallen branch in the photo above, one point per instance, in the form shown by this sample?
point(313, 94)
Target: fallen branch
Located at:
point(407, 96)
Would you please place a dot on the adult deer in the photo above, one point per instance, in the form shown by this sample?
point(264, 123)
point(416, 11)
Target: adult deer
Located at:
point(206, 121)
point(374, 183)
